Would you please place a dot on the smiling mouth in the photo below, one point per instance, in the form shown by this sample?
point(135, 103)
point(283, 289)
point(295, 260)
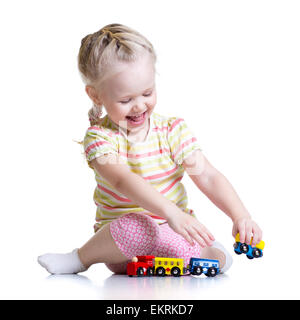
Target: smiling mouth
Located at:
point(137, 118)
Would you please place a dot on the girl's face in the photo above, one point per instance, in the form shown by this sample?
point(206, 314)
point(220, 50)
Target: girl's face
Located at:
point(129, 95)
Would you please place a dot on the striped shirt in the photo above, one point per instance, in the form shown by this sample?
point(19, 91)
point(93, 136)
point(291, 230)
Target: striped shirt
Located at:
point(158, 159)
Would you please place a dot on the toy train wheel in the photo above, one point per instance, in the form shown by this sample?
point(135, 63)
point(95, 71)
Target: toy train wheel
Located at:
point(197, 271)
point(256, 253)
point(160, 271)
point(211, 272)
point(237, 252)
point(140, 272)
point(175, 272)
point(236, 247)
point(249, 257)
point(150, 272)
point(244, 248)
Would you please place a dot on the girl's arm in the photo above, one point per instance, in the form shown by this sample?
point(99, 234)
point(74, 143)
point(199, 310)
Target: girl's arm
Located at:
point(143, 194)
point(219, 190)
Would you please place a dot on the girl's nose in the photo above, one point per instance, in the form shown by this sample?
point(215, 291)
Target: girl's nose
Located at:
point(138, 107)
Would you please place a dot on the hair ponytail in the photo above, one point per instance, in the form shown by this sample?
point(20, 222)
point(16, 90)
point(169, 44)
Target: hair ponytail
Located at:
point(95, 114)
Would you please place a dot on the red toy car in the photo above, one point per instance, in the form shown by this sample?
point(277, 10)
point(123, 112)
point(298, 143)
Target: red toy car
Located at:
point(141, 266)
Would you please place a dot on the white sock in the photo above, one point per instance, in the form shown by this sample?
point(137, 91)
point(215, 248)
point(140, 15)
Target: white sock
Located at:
point(61, 263)
point(228, 256)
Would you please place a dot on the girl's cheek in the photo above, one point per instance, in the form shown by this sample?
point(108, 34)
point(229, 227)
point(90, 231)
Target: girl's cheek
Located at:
point(151, 103)
point(154, 101)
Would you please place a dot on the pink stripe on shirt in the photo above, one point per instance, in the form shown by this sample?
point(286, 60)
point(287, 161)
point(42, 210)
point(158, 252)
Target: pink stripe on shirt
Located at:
point(143, 155)
point(159, 175)
point(184, 145)
point(170, 186)
point(175, 123)
point(113, 194)
point(96, 144)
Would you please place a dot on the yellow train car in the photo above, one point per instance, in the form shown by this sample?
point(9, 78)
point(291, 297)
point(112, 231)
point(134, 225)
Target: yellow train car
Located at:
point(169, 266)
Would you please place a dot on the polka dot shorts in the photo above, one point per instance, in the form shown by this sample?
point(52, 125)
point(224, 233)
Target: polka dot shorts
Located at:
point(139, 235)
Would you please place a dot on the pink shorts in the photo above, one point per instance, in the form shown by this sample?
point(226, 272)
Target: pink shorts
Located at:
point(138, 235)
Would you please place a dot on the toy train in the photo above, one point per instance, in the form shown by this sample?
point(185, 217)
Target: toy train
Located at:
point(151, 265)
point(159, 266)
point(251, 252)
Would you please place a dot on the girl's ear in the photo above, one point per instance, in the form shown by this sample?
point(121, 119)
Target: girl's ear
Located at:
point(94, 96)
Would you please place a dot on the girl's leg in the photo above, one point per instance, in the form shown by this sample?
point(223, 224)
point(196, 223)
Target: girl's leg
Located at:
point(100, 248)
point(114, 244)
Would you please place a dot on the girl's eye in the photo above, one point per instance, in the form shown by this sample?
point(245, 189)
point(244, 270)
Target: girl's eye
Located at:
point(125, 101)
point(148, 94)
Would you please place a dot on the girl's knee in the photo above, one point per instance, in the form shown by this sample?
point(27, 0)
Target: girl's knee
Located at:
point(135, 234)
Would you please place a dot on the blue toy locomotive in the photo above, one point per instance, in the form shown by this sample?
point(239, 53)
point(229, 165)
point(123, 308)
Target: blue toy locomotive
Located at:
point(248, 250)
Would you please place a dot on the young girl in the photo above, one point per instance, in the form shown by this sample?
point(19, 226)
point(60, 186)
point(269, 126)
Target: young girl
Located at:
point(139, 158)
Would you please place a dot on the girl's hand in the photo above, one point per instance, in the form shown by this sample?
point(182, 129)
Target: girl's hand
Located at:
point(247, 229)
point(190, 229)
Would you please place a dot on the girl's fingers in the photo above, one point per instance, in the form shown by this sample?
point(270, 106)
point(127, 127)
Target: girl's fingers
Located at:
point(200, 240)
point(187, 237)
point(210, 236)
point(192, 231)
point(255, 239)
point(234, 230)
point(257, 235)
point(241, 231)
point(205, 234)
point(201, 237)
point(207, 239)
point(194, 235)
point(248, 233)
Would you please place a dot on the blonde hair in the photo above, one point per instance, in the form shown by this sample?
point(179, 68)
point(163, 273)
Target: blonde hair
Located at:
point(99, 51)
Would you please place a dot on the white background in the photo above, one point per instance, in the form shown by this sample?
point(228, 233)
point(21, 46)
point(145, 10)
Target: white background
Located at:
point(230, 68)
